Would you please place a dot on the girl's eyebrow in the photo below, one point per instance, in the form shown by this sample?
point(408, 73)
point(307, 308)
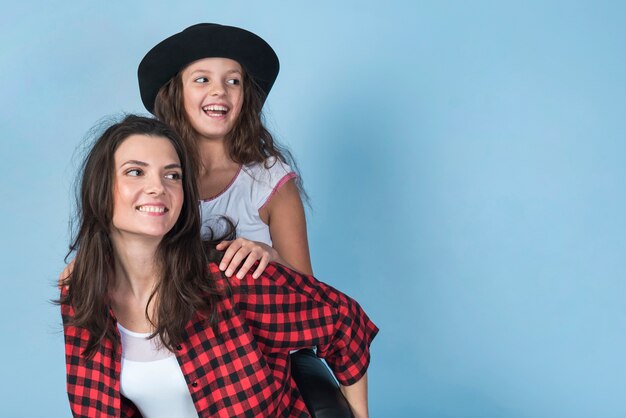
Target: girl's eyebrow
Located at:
point(201, 70)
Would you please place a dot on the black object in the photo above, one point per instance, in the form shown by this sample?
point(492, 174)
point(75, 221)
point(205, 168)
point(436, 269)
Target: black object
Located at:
point(318, 387)
point(206, 40)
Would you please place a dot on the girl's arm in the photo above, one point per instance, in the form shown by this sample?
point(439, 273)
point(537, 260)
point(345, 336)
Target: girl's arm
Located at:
point(284, 213)
point(356, 395)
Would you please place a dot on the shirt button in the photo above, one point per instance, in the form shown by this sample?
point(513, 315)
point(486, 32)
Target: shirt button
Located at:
point(194, 384)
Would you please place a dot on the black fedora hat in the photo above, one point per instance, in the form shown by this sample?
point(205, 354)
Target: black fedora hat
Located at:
point(206, 40)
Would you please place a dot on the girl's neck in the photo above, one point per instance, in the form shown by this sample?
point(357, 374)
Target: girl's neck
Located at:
point(214, 156)
point(217, 169)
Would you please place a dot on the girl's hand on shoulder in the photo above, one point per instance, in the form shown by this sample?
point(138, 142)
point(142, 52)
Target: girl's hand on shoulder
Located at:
point(66, 274)
point(242, 253)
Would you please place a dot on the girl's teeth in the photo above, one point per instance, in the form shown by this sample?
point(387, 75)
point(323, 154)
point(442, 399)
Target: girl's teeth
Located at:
point(215, 108)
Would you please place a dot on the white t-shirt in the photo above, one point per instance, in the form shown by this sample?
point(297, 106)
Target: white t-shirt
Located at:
point(151, 378)
point(251, 189)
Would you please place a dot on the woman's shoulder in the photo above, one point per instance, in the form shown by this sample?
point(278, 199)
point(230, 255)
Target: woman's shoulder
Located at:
point(277, 279)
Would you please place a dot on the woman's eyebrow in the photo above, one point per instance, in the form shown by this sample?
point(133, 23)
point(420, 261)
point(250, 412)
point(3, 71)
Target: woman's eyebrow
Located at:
point(135, 162)
point(144, 164)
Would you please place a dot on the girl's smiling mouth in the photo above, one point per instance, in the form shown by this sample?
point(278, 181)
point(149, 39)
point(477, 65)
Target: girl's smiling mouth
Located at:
point(215, 110)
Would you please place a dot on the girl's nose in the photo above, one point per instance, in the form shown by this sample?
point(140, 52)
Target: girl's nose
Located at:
point(217, 89)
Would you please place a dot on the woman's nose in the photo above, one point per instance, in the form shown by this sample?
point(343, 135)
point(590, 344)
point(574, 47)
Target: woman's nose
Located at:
point(155, 186)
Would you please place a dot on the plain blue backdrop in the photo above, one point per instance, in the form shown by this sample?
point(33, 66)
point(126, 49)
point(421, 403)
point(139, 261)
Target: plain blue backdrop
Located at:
point(465, 163)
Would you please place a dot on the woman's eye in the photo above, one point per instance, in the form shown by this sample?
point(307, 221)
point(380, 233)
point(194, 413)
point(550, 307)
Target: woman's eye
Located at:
point(234, 81)
point(174, 176)
point(135, 172)
point(201, 80)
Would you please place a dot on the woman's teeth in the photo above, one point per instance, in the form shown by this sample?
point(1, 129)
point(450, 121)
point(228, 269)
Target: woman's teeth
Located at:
point(152, 209)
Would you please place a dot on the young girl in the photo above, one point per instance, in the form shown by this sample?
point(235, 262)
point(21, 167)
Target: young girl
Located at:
point(209, 82)
point(150, 331)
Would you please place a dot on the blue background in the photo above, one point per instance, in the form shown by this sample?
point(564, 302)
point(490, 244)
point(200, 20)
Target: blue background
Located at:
point(465, 162)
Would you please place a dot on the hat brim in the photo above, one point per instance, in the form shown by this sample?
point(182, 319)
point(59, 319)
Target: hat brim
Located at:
point(206, 40)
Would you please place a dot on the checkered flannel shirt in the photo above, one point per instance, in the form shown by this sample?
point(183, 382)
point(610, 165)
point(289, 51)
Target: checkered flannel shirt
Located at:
point(243, 371)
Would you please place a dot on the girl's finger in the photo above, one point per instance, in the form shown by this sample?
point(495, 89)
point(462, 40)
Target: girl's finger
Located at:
point(247, 265)
point(228, 255)
point(222, 245)
point(263, 262)
point(236, 261)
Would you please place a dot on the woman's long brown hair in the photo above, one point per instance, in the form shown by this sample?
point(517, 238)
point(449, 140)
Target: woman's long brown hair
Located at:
point(184, 285)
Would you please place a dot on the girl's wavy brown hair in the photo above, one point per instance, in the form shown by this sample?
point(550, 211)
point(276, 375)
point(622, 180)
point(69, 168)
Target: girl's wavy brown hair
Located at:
point(248, 142)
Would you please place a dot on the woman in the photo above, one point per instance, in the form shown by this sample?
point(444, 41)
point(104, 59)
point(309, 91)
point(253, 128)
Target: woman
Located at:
point(150, 331)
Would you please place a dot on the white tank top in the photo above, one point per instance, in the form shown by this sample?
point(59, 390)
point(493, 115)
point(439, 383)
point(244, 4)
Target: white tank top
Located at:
point(151, 378)
point(251, 189)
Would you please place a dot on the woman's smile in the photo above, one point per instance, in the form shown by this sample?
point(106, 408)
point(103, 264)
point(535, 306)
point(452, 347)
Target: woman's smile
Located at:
point(153, 209)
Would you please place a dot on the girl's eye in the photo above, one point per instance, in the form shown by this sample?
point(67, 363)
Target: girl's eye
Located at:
point(174, 176)
point(134, 172)
point(234, 81)
point(201, 80)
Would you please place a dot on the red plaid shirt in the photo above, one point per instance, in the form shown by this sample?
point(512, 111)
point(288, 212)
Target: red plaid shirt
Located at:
point(244, 370)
